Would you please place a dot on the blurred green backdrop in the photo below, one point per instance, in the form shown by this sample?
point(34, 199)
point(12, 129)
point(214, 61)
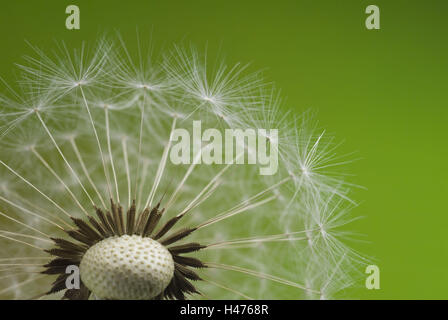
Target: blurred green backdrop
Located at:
point(384, 92)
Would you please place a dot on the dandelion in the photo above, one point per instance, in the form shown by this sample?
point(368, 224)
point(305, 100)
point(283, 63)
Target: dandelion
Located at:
point(87, 182)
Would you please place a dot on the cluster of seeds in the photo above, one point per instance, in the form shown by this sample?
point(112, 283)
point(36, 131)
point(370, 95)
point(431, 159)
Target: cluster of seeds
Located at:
point(85, 144)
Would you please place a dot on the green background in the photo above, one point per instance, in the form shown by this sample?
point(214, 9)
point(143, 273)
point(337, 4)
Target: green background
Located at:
point(381, 91)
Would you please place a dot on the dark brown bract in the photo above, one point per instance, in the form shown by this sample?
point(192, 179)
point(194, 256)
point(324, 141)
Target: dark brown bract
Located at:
point(115, 222)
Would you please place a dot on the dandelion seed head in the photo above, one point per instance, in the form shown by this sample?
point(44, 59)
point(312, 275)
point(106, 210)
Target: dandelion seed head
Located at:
point(85, 144)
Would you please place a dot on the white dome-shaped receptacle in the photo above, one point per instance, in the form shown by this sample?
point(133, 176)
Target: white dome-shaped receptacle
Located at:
point(127, 268)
